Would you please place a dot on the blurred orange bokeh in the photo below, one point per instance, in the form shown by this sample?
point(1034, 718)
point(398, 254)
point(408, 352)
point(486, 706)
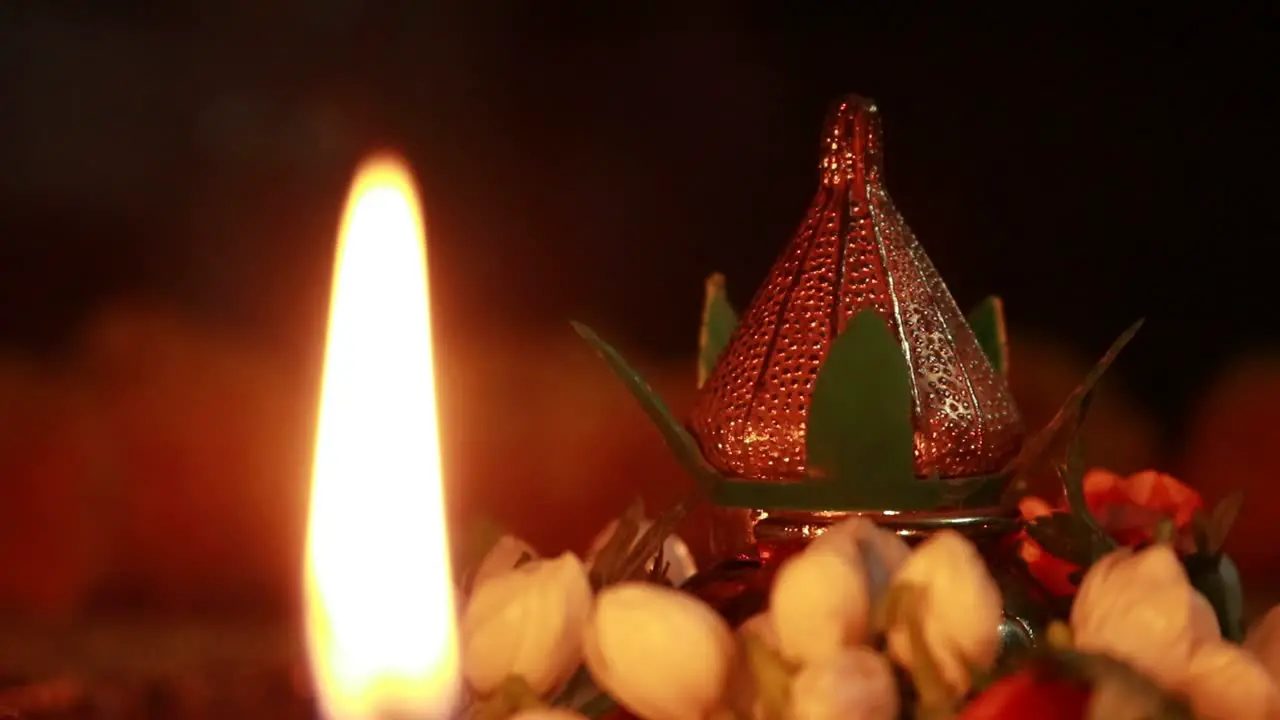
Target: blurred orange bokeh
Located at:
point(163, 465)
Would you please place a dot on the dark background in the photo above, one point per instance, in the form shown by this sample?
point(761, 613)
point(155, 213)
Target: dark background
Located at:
point(598, 162)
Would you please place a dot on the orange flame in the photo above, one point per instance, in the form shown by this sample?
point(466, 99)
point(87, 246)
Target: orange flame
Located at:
point(379, 595)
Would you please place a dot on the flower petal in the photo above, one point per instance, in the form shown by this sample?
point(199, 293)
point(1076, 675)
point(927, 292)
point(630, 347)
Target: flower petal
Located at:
point(527, 622)
point(1225, 682)
point(857, 684)
point(1033, 507)
point(1138, 607)
point(1263, 640)
point(661, 653)
point(1053, 573)
point(820, 603)
point(960, 608)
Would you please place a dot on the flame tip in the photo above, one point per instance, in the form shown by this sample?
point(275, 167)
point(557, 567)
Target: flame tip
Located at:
point(379, 638)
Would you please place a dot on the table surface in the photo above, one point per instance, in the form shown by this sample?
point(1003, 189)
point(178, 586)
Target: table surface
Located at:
point(153, 669)
point(193, 662)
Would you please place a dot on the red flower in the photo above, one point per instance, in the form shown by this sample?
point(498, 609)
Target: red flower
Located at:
point(1128, 508)
point(1031, 694)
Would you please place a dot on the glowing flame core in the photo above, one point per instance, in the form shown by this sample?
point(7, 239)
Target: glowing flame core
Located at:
point(379, 594)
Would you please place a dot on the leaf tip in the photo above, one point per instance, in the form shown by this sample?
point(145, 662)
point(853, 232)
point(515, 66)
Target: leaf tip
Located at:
point(715, 284)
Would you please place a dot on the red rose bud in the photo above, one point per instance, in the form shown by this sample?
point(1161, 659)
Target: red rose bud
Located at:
point(1033, 694)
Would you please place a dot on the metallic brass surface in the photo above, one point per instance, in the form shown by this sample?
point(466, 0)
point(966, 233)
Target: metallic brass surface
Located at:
point(1027, 610)
point(852, 252)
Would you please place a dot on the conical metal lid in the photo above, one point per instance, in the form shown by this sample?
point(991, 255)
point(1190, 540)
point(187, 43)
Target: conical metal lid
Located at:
point(853, 252)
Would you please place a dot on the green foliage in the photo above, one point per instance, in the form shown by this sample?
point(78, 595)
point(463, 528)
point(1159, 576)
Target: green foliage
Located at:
point(860, 431)
point(1122, 688)
point(677, 438)
point(1213, 572)
point(1220, 521)
point(512, 697)
point(987, 321)
point(482, 534)
point(1068, 537)
point(1218, 580)
point(718, 323)
point(1041, 449)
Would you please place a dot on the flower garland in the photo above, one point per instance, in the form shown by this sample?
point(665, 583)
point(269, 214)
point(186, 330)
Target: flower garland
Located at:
point(861, 627)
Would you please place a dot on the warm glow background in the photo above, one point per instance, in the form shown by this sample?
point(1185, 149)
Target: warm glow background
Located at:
point(166, 466)
point(173, 176)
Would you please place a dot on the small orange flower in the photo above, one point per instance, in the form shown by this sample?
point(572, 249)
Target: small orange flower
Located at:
point(1128, 508)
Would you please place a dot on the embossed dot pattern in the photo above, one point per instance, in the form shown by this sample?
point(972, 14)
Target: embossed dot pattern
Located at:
point(853, 251)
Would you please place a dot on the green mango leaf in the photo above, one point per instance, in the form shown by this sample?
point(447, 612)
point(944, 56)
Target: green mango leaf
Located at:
point(480, 537)
point(1072, 476)
point(1217, 578)
point(610, 562)
point(860, 430)
point(1220, 522)
point(512, 697)
point(1121, 691)
point(718, 323)
point(1067, 537)
point(1200, 532)
point(1042, 447)
point(649, 545)
point(597, 707)
point(582, 694)
point(660, 573)
point(579, 688)
point(987, 321)
point(677, 438)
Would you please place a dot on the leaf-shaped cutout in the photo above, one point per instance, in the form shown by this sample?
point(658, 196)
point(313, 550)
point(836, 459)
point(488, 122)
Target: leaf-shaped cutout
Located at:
point(860, 430)
point(718, 323)
point(677, 438)
point(987, 321)
point(1041, 448)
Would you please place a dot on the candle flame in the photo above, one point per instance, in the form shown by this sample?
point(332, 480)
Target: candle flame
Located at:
point(379, 594)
